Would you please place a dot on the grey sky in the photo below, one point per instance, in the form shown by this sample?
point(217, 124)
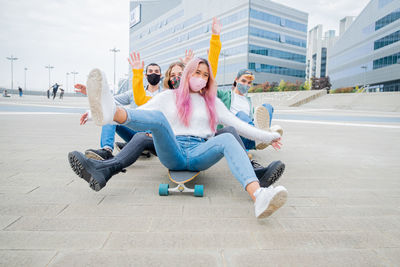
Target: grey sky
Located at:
point(77, 35)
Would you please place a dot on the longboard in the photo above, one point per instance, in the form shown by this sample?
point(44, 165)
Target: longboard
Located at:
point(180, 178)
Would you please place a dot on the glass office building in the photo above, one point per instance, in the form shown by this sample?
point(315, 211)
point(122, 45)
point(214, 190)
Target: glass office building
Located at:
point(264, 36)
point(369, 51)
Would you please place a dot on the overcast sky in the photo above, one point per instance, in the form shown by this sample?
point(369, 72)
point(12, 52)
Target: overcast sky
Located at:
point(76, 35)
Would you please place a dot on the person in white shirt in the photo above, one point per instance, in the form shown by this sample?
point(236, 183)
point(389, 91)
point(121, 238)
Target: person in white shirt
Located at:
point(237, 101)
point(182, 123)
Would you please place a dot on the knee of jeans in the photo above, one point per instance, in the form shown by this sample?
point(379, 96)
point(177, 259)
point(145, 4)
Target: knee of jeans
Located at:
point(243, 116)
point(269, 107)
point(227, 139)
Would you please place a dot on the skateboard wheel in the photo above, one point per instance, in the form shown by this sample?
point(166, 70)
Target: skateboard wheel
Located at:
point(163, 189)
point(198, 190)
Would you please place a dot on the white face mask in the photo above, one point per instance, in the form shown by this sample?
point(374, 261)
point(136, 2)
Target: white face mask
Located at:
point(196, 84)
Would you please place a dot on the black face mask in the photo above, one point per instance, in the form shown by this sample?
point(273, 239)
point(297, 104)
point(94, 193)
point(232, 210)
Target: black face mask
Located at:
point(153, 79)
point(174, 82)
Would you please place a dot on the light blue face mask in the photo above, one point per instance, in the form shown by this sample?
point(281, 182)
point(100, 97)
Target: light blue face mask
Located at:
point(243, 88)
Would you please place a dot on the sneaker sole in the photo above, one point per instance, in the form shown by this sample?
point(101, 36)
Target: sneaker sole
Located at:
point(276, 202)
point(261, 118)
point(80, 170)
point(92, 155)
point(94, 85)
point(276, 174)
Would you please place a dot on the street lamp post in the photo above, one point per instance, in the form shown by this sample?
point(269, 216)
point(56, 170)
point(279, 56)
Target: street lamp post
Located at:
point(49, 67)
point(74, 73)
point(12, 69)
point(25, 69)
point(66, 82)
point(224, 54)
point(365, 74)
point(114, 50)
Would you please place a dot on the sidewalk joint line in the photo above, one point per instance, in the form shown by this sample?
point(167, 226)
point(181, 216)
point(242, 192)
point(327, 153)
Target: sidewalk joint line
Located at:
point(33, 190)
point(105, 242)
point(52, 258)
point(12, 223)
point(101, 200)
point(66, 206)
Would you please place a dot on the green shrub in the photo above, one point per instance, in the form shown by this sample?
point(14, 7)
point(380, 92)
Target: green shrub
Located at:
point(343, 90)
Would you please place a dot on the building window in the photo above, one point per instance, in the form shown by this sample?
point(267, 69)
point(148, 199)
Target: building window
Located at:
point(277, 37)
point(387, 40)
point(386, 20)
point(386, 61)
point(260, 15)
point(265, 51)
point(258, 67)
point(323, 62)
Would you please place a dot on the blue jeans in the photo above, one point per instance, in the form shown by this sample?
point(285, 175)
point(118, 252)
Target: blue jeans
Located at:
point(108, 135)
point(250, 144)
point(190, 152)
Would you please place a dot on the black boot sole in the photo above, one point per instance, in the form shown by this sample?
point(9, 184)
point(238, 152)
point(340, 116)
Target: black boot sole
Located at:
point(80, 170)
point(272, 176)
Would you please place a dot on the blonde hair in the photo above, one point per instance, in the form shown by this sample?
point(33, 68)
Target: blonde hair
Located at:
point(167, 75)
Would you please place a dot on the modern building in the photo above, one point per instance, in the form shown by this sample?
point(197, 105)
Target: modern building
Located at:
point(318, 48)
point(368, 52)
point(345, 23)
point(261, 35)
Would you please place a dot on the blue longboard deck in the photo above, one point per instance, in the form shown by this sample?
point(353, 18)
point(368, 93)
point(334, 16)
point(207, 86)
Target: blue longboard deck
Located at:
point(180, 177)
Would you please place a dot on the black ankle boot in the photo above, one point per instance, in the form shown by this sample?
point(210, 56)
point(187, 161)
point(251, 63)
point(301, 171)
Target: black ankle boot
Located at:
point(95, 172)
point(269, 175)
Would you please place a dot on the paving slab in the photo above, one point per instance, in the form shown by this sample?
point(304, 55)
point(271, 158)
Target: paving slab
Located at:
point(343, 207)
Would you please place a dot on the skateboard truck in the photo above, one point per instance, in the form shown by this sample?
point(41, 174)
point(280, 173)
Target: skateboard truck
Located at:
point(180, 178)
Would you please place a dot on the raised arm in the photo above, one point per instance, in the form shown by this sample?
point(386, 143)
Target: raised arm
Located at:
point(139, 94)
point(215, 45)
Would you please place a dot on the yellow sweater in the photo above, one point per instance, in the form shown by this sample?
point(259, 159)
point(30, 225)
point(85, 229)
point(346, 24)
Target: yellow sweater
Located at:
point(139, 94)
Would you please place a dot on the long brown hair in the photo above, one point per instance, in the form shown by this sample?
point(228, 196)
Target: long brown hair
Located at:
point(167, 75)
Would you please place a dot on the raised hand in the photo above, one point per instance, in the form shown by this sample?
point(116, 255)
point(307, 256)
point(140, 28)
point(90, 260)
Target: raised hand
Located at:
point(276, 144)
point(216, 26)
point(135, 62)
point(188, 56)
point(80, 88)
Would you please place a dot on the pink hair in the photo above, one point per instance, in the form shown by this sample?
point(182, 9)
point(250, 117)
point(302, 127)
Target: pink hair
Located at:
point(183, 101)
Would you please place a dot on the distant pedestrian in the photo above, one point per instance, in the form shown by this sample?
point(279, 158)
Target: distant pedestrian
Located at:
point(55, 88)
point(61, 93)
point(5, 94)
point(48, 93)
point(20, 91)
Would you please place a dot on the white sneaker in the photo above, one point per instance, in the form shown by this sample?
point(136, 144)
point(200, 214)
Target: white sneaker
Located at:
point(268, 200)
point(101, 102)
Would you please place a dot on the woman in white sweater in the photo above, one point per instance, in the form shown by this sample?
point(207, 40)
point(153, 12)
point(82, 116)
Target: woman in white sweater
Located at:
point(183, 124)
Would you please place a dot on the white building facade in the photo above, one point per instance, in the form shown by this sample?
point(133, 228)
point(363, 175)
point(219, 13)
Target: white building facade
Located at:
point(261, 35)
point(368, 52)
point(318, 48)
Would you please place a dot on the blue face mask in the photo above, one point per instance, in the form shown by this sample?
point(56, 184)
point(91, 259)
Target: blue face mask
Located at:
point(243, 88)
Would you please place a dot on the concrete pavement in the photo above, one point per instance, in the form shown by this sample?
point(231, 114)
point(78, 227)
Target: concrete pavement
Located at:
point(343, 207)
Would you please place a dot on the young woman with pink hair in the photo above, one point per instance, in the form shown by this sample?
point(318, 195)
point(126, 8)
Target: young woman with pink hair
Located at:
point(183, 123)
